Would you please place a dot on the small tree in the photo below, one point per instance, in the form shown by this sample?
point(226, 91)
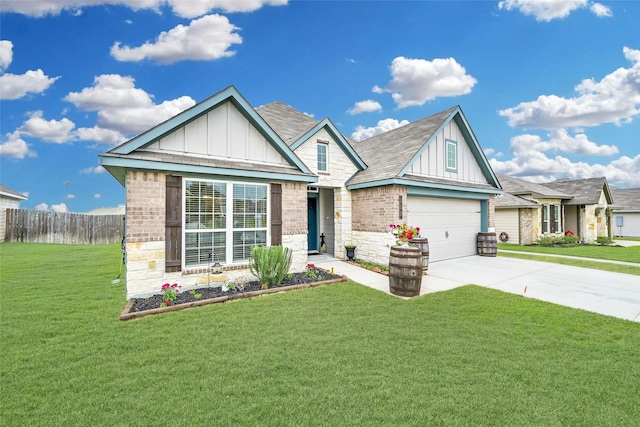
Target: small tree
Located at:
point(270, 264)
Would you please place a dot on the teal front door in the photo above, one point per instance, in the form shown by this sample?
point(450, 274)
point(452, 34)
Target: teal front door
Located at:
point(312, 223)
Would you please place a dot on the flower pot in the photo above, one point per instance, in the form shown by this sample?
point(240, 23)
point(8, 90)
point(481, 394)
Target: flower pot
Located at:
point(351, 253)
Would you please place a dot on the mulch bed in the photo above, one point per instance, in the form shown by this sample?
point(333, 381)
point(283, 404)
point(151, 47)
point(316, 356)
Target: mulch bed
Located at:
point(138, 307)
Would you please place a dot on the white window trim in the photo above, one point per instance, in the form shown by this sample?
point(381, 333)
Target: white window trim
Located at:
point(229, 221)
point(326, 146)
point(447, 143)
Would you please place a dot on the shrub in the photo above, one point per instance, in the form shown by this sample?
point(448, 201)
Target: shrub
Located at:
point(270, 264)
point(604, 240)
point(569, 239)
point(548, 240)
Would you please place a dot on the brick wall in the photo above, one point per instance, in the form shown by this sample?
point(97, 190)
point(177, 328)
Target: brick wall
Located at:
point(294, 208)
point(145, 206)
point(373, 209)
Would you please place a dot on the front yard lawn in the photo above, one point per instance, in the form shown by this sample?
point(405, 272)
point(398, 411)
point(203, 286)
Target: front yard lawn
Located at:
point(340, 354)
point(614, 253)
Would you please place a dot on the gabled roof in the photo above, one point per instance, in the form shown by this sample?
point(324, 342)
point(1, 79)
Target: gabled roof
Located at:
point(126, 155)
point(507, 200)
point(584, 191)
point(286, 121)
point(389, 155)
point(520, 187)
point(626, 199)
point(295, 128)
point(7, 192)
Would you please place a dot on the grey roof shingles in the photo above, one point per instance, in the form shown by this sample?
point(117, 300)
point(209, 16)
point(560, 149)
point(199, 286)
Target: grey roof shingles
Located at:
point(585, 191)
point(521, 187)
point(289, 123)
point(11, 193)
point(507, 200)
point(626, 199)
point(388, 153)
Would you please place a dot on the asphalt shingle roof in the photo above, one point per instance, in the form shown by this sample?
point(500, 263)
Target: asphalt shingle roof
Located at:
point(6, 190)
point(289, 123)
point(507, 200)
point(517, 186)
point(388, 153)
point(584, 191)
point(626, 199)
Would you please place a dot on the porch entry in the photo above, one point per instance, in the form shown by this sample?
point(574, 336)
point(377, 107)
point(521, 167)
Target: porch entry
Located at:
point(320, 220)
point(312, 222)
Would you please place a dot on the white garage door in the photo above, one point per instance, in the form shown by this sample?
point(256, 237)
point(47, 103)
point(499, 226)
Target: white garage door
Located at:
point(451, 225)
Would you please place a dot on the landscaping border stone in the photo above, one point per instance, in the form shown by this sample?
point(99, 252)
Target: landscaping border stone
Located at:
point(127, 314)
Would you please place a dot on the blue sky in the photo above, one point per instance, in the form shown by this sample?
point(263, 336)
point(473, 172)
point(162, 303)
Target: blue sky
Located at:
point(551, 89)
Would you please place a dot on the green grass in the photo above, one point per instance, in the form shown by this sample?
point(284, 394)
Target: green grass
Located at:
point(615, 253)
point(599, 254)
point(339, 354)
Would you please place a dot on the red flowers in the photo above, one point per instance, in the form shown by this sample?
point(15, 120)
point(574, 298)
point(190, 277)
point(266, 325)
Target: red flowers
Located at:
point(404, 232)
point(170, 292)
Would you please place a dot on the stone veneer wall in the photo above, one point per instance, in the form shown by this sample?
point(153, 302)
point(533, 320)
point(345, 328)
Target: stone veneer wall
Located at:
point(526, 226)
point(145, 274)
point(492, 213)
point(294, 223)
point(373, 210)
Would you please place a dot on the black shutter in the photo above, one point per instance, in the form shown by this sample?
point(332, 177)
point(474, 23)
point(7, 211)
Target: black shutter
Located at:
point(552, 220)
point(276, 214)
point(173, 224)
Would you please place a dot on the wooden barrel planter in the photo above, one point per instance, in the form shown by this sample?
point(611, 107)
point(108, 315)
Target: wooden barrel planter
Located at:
point(423, 244)
point(487, 244)
point(405, 271)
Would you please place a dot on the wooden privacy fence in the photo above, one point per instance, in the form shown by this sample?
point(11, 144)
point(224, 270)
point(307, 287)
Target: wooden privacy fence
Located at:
point(63, 228)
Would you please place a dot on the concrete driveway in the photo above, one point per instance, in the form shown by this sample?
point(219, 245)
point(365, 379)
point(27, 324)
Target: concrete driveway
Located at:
point(611, 294)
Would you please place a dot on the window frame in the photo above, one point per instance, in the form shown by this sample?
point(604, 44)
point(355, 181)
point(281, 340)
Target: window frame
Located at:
point(325, 145)
point(229, 213)
point(448, 156)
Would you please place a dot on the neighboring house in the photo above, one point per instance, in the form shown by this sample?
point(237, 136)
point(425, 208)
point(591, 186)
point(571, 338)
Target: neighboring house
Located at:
point(222, 177)
point(528, 210)
point(625, 213)
point(587, 213)
point(9, 199)
point(119, 210)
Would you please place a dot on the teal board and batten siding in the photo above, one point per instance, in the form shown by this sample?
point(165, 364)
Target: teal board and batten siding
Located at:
point(432, 161)
point(223, 133)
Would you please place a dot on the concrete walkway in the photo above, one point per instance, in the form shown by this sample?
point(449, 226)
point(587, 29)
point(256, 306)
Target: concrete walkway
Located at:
point(611, 294)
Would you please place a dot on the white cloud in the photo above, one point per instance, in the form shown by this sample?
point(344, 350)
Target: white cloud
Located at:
point(60, 207)
point(16, 147)
point(416, 81)
point(42, 207)
point(192, 9)
point(547, 10)
point(97, 196)
point(361, 133)
point(6, 54)
point(530, 160)
point(100, 135)
point(183, 8)
point(124, 108)
point(204, 39)
point(614, 99)
point(560, 140)
point(366, 106)
point(14, 86)
point(93, 170)
point(601, 10)
point(57, 131)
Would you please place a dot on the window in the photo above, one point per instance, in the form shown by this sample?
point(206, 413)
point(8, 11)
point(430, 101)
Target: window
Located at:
point(210, 235)
point(322, 156)
point(551, 218)
point(451, 148)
